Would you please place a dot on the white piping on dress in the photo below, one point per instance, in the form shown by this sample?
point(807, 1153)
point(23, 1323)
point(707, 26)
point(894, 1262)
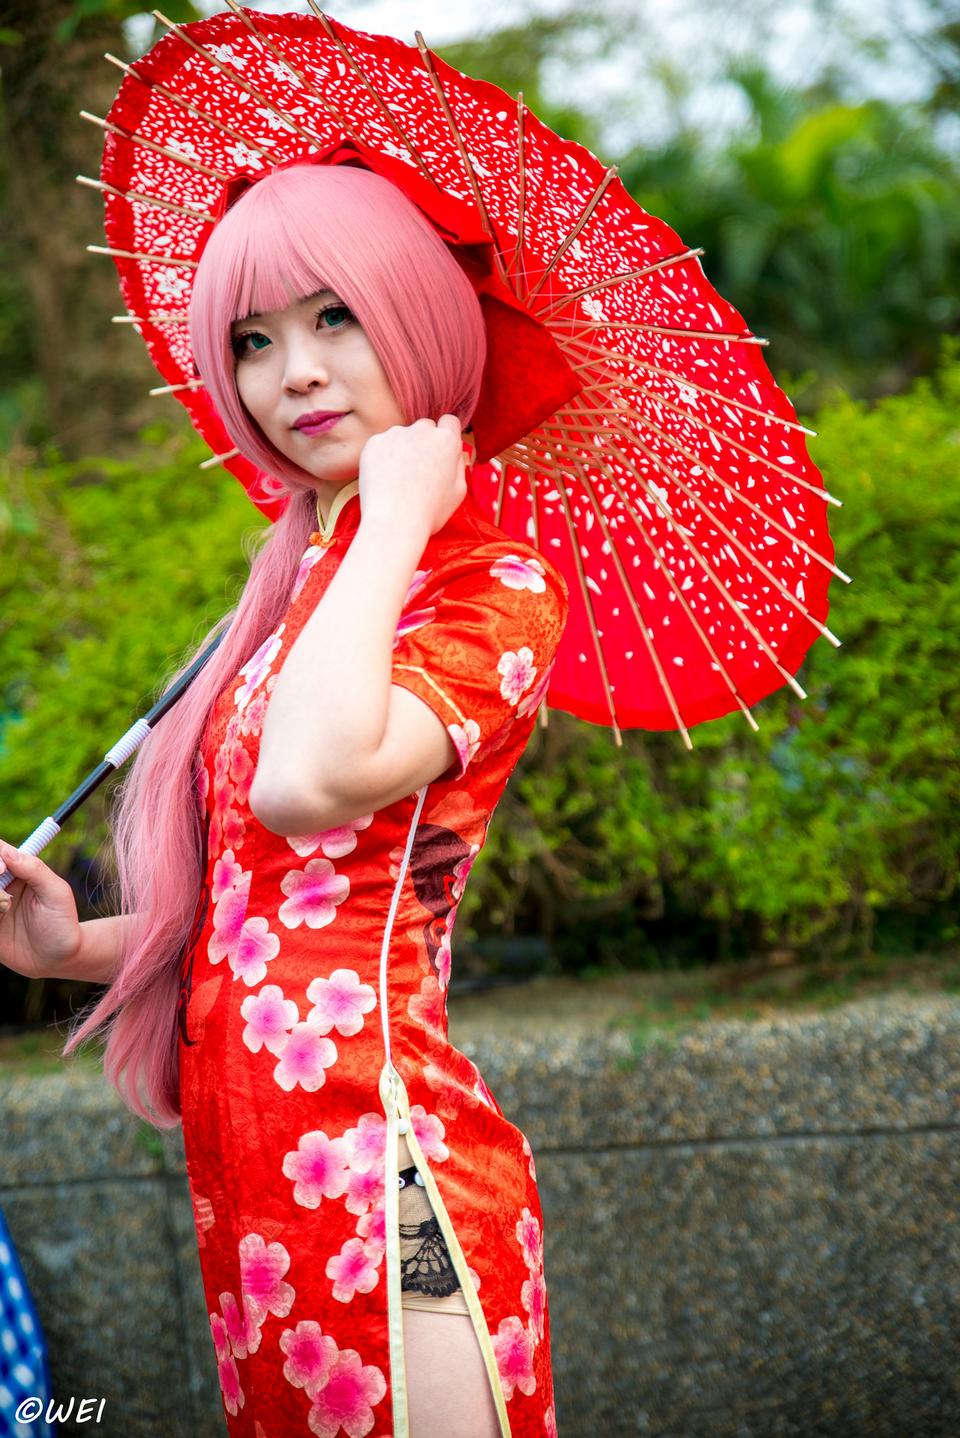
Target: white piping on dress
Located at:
point(389, 1079)
point(459, 1261)
point(393, 1095)
point(391, 915)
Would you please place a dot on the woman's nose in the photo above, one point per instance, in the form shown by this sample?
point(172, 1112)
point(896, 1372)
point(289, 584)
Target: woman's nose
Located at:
point(304, 367)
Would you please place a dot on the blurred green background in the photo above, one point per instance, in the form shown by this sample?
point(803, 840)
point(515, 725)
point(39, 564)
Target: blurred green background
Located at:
point(829, 217)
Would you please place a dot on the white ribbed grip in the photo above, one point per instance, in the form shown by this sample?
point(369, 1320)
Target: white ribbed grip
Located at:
point(41, 837)
point(128, 744)
point(38, 840)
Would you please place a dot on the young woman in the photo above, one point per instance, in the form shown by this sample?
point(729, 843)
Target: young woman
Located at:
point(368, 1221)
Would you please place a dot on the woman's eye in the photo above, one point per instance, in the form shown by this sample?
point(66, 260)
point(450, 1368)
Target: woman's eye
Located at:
point(338, 315)
point(239, 342)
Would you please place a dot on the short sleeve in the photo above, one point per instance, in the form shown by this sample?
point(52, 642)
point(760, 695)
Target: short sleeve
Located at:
point(477, 641)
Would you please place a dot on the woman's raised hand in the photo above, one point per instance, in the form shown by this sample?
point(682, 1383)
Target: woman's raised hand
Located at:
point(39, 927)
point(414, 475)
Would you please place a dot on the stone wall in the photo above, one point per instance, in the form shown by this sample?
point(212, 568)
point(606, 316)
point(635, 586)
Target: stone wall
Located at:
point(750, 1232)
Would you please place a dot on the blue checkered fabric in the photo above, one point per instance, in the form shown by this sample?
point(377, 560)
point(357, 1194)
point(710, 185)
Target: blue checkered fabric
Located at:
point(24, 1368)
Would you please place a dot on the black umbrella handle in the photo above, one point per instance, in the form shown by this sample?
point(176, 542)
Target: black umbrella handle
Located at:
point(126, 745)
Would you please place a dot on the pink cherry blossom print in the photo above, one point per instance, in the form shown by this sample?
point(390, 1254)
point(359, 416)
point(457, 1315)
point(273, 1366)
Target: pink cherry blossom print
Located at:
point(221, 1338)
point(429, 1131)
point(549, 1423)
point(233, 1399)
point(228, 916)
point(242, 1332)
point(256, 946)
point(346, 1400)
point(227, 874)
point(533, 1296)
point(372, 1227)
point(367, 1141)
point(251, 720)
point(304, 1059)
point(428, 1007)
point(262, 1266)
point(334, 843)
point(318, 1167)
point(466, 739)
point(232, 828)
point(313, 894)
point(420, 577)
point(537, 694)
point(513, 1346)
point(307, 563)
point(461, 872)
point(517, 573)
point(242, 770)
point(519, 672)
point(257, 667)
point(364, 1188)
point(412, 619)
point(530, 1240)
point(453, 1079)
point(353, 1269)
point(340, 1002)
point(269, 1018)
point(531, 1166)
point(311, 1354)
point(443, 958)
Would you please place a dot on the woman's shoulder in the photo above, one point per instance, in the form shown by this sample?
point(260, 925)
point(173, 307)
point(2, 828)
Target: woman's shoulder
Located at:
point(473, 544)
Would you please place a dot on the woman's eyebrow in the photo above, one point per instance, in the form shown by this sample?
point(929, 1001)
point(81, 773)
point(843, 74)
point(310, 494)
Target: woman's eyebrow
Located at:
point(306, 299)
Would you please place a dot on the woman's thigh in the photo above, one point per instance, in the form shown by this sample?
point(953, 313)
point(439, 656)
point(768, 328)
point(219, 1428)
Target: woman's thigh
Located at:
point(448, 1391)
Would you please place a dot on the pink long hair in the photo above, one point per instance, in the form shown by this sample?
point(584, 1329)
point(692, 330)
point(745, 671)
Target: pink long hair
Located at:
point(291, 234)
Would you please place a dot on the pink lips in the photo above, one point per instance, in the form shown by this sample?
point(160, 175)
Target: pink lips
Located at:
point(317, 422)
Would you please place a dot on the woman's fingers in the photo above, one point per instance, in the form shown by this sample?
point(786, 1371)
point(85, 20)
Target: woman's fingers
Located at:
point(25, 868)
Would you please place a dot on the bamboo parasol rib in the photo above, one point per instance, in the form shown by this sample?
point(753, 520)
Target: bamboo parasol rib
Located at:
point(430, 68)
point(144, 144)
point(372, 91)
point(187, 105)
point(628, 275)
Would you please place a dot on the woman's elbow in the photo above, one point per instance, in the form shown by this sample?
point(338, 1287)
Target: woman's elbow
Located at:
point(291, 812)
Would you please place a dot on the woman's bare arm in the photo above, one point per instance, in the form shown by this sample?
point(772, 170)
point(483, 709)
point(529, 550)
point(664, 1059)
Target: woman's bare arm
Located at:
point(323, 757)
point(98, 957)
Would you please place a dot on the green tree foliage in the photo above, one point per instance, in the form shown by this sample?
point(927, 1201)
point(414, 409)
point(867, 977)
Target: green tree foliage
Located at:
point(57, 346)
point(834, 228)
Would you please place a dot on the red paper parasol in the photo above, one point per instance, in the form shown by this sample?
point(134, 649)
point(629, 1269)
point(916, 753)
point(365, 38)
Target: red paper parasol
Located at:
point(659, 467)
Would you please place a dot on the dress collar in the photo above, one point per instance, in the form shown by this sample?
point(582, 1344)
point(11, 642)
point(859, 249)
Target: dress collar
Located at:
point(324, 532)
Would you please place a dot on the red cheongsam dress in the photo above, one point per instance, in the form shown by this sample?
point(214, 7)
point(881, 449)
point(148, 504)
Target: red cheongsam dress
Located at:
point(313, 1025)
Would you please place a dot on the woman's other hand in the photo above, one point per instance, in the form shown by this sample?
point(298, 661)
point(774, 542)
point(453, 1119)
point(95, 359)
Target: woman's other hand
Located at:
point(39, 927)
point(414, 475)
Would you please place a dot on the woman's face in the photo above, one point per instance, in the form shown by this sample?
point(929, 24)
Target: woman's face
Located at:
point(303, 362)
